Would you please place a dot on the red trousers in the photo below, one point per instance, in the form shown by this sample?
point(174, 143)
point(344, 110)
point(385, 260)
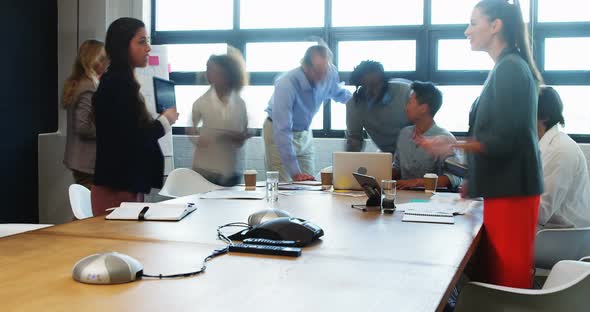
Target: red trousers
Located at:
point(103, 198)
point(507, 248)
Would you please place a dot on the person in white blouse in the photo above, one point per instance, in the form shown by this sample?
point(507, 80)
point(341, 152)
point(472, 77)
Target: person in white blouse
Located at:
point(566, 200)
point(220, 119)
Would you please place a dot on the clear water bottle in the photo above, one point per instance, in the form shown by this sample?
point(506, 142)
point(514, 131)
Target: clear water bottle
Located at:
point(272, 187)
point(388, 193)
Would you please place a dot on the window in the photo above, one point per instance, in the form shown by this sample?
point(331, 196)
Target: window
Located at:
point(563, 11)
point(575, 107)
point(192, 57)
point(339, 112)
point(257, 14)
point(454, 112)
point(395, 55)
point(193, 15)
point(416, 40)
point(347, 13)
point(459, 12)
point(256, 98)
point(275, 56)
point(567, 53)
point(456, 54)
point(185, 97)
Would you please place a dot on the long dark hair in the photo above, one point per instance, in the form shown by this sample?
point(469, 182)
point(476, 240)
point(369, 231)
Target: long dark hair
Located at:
point(119, 36)
point(514, 30)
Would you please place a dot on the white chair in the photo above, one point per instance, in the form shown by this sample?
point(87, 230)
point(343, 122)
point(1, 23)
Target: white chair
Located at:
point(7, 229)
point(80, 201)
point(566, 289)
point(554, 245)
point(184, 181)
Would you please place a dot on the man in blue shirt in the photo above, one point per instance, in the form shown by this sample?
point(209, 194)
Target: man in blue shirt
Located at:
point(411, 161)
point(297, 97)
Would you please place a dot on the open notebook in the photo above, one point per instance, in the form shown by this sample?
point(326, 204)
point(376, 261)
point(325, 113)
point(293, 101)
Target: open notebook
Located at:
point(151, 211)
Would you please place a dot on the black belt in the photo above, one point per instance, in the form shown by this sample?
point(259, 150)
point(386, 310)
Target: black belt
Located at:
point(269, 119)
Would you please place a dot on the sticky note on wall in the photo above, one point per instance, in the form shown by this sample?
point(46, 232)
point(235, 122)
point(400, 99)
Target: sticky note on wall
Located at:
point(154, 60)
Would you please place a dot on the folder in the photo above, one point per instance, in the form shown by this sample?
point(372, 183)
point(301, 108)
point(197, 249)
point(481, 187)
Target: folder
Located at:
point(151, 211)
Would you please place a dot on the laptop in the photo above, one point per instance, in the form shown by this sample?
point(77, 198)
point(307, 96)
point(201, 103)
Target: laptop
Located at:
point(344, 164)
point(164, 94)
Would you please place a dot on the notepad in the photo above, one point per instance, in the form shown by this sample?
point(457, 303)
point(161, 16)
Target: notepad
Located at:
point(300, 187)
point(151, 211)
point(312, 183)
point(428, 217)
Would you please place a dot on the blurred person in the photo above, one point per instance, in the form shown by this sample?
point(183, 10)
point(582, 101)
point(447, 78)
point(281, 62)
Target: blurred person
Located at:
point(297, 97)
point(412, 162)
point(80, 152)
point(566, 200)
point(502, 149)
point(377, 106)
point(129, 161)
point(224, 118)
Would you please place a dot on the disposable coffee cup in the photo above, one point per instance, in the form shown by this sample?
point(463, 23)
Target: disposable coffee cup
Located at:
point(250, 179)
point(326, 175)
point(430, 180)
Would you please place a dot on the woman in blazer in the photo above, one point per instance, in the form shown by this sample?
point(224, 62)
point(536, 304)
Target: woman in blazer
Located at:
point(503, 154)
point(129, 161)
point(80, 151)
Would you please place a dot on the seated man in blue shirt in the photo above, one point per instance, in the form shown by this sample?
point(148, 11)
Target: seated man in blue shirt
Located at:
point(378, 106)
point(411, 162)
point(297, 97)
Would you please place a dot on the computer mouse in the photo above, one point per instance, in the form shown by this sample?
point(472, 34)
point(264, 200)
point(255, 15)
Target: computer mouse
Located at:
point(284, 228)
point(266, 215)
point(107, 268)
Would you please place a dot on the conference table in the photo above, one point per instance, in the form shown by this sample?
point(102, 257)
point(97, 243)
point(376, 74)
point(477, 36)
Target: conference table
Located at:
point(366, 261)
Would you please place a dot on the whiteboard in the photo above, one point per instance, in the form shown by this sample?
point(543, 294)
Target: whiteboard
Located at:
point(157, 67)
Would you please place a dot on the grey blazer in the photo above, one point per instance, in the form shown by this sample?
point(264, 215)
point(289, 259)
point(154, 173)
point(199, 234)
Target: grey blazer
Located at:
point(504, 120)
point(80, 153)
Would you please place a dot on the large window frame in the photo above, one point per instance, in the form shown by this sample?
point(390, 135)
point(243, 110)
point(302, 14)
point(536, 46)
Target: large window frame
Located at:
point(426, 36)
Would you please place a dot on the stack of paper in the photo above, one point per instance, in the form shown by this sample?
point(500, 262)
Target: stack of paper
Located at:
point(442, 202)
point(233, 194)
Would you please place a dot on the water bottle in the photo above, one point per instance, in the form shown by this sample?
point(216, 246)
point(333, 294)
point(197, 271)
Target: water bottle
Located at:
point(272, 187)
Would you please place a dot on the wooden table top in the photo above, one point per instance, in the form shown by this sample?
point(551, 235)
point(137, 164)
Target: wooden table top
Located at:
point(365, 261)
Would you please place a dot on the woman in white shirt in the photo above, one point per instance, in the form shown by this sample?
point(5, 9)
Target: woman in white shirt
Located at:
point(224, 119)
point(566, 200)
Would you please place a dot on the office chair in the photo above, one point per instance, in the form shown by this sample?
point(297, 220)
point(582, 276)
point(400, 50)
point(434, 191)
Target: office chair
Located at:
point(184, 181)
point(80, 201)
point(554, 245)
point(566, 289)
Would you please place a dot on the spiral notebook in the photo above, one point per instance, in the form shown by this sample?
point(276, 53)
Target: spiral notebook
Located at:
point(411, 215)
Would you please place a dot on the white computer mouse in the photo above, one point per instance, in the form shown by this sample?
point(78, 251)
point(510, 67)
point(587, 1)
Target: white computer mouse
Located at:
point(107, 268)
point(266, 215)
